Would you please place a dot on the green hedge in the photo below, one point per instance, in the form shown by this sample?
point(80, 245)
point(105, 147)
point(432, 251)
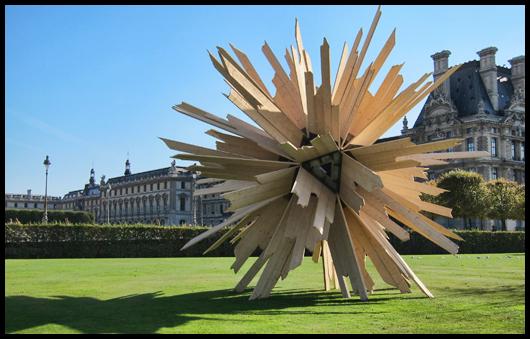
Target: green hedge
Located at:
point(95, 241)
point(25, 216)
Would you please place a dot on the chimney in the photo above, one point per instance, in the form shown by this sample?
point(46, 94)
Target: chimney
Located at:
point(518, 73)
point(488, 73)
point(441, 63)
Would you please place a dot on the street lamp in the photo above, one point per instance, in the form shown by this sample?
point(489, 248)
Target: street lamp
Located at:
point(47, 164)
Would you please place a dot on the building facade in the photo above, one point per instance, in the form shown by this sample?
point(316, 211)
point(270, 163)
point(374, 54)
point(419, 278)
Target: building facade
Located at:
point(31, 201)
point(163, 196)
point(210, 209)
point(484, 104)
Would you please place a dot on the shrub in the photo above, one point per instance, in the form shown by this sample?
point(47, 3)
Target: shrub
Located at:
point(35, 216)
point(115, 241)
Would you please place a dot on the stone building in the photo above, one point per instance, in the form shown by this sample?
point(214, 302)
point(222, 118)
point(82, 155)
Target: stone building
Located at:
point(162, 196)
point(86, 199)
point(483, 103)
point(210, 209)
point(31, 201)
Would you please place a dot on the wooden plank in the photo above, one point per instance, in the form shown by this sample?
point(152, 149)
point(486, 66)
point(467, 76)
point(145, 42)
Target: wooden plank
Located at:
point(394, 165)
point(349, 196)
point(362, 175)
point(343, 252)
point(251, 273)
point(410, 184)
point(392, 155)
point(316, 251)
point(381, 147)
point(385, 52)
point(281, 174)
point(440, 228)
point(233, 218)
point(183, 147)
point(380, 216)
point(253, 194)
point(325, 88)
point(412, 220)
point(310, 102)
point(229, 185)
point(340, 69)
point(204, 116)
point(226, 56)
point(251, 71)
point(286, 92)
point(243, 162)
point(376, 248)
point(239, 101)
point(264, 105)
point(381, 99)
point(446, 155)
point(260, 233)
point(407, 173)
point(243, 222)
point(256, 135)
point(348, 75)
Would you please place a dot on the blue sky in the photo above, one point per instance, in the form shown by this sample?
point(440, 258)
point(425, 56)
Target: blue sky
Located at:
point(88, 84)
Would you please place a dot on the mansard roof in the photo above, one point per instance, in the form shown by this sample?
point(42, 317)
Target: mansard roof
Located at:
point(467, 90)
point(148, 174)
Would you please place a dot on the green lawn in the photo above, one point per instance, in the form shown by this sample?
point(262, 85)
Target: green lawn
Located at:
point(473, 294)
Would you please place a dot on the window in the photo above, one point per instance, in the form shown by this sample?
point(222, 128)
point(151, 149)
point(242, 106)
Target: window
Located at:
point(522, 151)
point(513, 150)
point(158, 186)
point(132, 189)
point(35, 205)
point(449, 134)
point(468, 130)
point(470, 144)
point(494, 147)
point(121, 191)
point(16, 205)
point(145, 188)
point(126, 190)
point(182, 221)
point(151, 187)
point(182, 203)
point(493, 130)
point(494, 173)
point(165, 184)
point(25, 205)
point(182, 185)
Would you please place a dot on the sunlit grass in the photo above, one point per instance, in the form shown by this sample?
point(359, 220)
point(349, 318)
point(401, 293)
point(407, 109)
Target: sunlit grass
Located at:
point(473, 294)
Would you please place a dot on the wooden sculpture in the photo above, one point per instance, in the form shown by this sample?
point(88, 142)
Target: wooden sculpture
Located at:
point(312, 177)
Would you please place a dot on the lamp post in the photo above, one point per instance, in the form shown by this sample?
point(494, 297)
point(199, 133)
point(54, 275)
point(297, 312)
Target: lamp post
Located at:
point(108, 201)
point(47, 164)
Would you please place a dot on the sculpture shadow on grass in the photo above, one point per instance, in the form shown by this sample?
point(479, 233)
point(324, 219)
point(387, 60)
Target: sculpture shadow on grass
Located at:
point(147, 313)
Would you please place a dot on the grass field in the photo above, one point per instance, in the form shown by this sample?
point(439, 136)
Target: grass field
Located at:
point(473, 294)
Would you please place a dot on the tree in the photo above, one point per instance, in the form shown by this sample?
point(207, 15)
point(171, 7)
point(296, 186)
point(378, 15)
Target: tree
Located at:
point(467, 195)
point(505, 199)
point(520, 203)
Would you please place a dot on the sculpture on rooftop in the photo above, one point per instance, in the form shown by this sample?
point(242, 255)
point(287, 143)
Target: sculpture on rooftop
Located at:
point(312, 176)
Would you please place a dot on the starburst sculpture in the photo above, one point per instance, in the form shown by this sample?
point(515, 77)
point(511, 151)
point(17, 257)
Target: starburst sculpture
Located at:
point(312, 176)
